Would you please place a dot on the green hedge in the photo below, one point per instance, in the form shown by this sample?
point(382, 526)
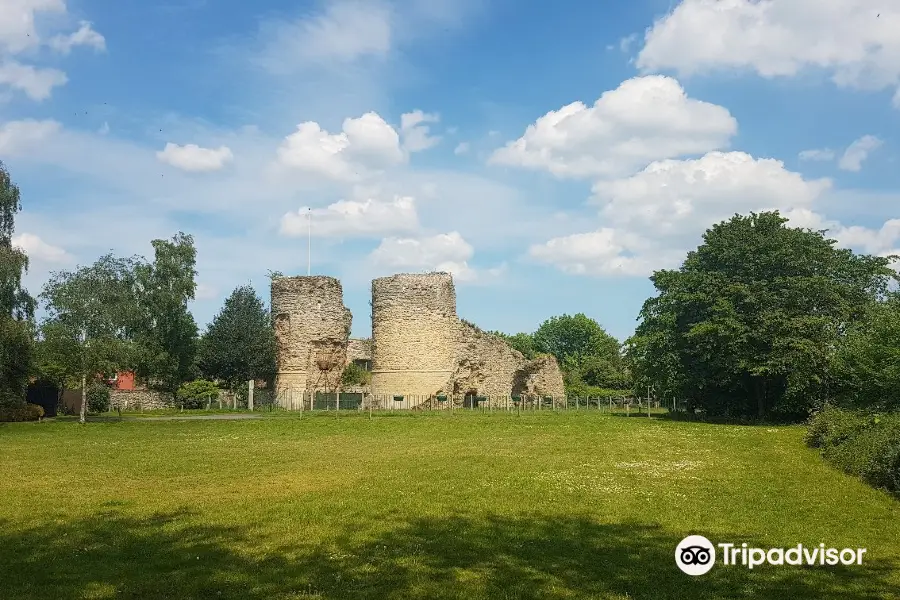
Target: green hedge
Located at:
point(21, 412)
point(862, 444)
point(583, 390)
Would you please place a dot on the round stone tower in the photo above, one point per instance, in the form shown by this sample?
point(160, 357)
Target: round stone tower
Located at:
point(414, 328)
point(312, 326)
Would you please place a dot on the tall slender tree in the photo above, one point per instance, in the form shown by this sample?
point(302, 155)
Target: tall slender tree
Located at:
point(16, 305)
point(165, 332)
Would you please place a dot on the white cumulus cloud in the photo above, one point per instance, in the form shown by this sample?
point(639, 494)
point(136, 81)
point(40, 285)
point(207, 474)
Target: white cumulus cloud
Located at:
point(19, 35)
point(675, 196)
point(448, 252)
point(644, 119)
point(85, 36)
point(40, 251)
point(19, 136)
point(353, 218)
point(17, 26)
point(365, 143)
point(855, 40)
point(606, 251)
point(415, 131)
point(653, 217)
point(193, 158)
point(858, 152)
point(34, 82)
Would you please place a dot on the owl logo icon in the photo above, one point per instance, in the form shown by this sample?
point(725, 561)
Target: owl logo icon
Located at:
point(695, 555)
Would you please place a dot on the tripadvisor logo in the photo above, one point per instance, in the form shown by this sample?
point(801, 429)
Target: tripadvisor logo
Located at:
point(696, 555)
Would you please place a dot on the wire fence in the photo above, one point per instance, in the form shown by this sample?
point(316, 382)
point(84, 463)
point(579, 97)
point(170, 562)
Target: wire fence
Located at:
point(290, 400)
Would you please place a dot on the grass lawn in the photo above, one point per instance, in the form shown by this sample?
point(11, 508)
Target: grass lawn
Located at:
point(468, 506)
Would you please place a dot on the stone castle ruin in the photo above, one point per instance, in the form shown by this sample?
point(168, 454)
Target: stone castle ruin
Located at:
point(312, 326)
point(419, 349)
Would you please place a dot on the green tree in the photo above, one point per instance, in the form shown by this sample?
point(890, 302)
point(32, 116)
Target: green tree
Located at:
point(239, 344)
point(16, 305)
point(866, 365)
point(523, 342)
point(748, 325)
point(165, 332)
point(52, 357)
point(15, 359)
point(586, 352)
point(89, 312)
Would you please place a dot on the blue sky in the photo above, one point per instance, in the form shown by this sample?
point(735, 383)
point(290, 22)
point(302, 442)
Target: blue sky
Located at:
point(445, 134)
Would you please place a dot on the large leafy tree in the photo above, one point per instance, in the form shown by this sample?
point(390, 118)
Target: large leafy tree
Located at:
point(16, 305)
point(588, 354)
point(239, 343)
point(89, 314)
point(165, 332)
point(749, 323)
point(867, 362)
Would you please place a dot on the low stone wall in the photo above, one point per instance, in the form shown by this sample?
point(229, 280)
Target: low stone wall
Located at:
point(139, 400)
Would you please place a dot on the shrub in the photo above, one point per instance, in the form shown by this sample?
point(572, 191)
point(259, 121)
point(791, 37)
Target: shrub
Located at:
point(833, 425)
point(355, 375)
point(197, 394)
point(583, 390)
point(98, 398)
point(865, 445)
point(15, 413)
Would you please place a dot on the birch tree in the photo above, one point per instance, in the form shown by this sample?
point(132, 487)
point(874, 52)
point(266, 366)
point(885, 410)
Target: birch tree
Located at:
point(88, 315)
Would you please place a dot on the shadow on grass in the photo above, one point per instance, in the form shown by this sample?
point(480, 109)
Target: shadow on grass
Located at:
point(681, 416)
point(168, 556)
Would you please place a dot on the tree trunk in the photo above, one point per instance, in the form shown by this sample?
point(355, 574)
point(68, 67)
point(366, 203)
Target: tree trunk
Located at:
point(83, 398)
point(760, 399)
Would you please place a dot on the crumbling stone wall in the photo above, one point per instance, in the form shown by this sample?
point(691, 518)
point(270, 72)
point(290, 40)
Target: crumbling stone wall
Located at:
point(312, 327)
point(414, 333)
point(485, 364)
point(488, 366)
point(540, 377)
point(359, 349)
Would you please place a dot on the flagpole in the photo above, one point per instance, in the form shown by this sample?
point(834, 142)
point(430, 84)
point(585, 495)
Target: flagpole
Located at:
point(309, 244)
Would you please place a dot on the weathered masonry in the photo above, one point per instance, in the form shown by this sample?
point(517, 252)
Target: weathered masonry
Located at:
point(419, 347)
point(311, 330)
point(414, 333)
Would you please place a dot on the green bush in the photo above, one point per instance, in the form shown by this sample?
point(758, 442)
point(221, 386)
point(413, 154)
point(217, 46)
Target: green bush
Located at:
point(583, 390)
point(831, 426)
point(16, 413)
point(355, 375)
point(861, 444)
point(98, 398)
point(197, 394)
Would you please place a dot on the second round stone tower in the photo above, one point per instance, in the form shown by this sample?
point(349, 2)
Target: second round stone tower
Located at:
point(414, 329)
